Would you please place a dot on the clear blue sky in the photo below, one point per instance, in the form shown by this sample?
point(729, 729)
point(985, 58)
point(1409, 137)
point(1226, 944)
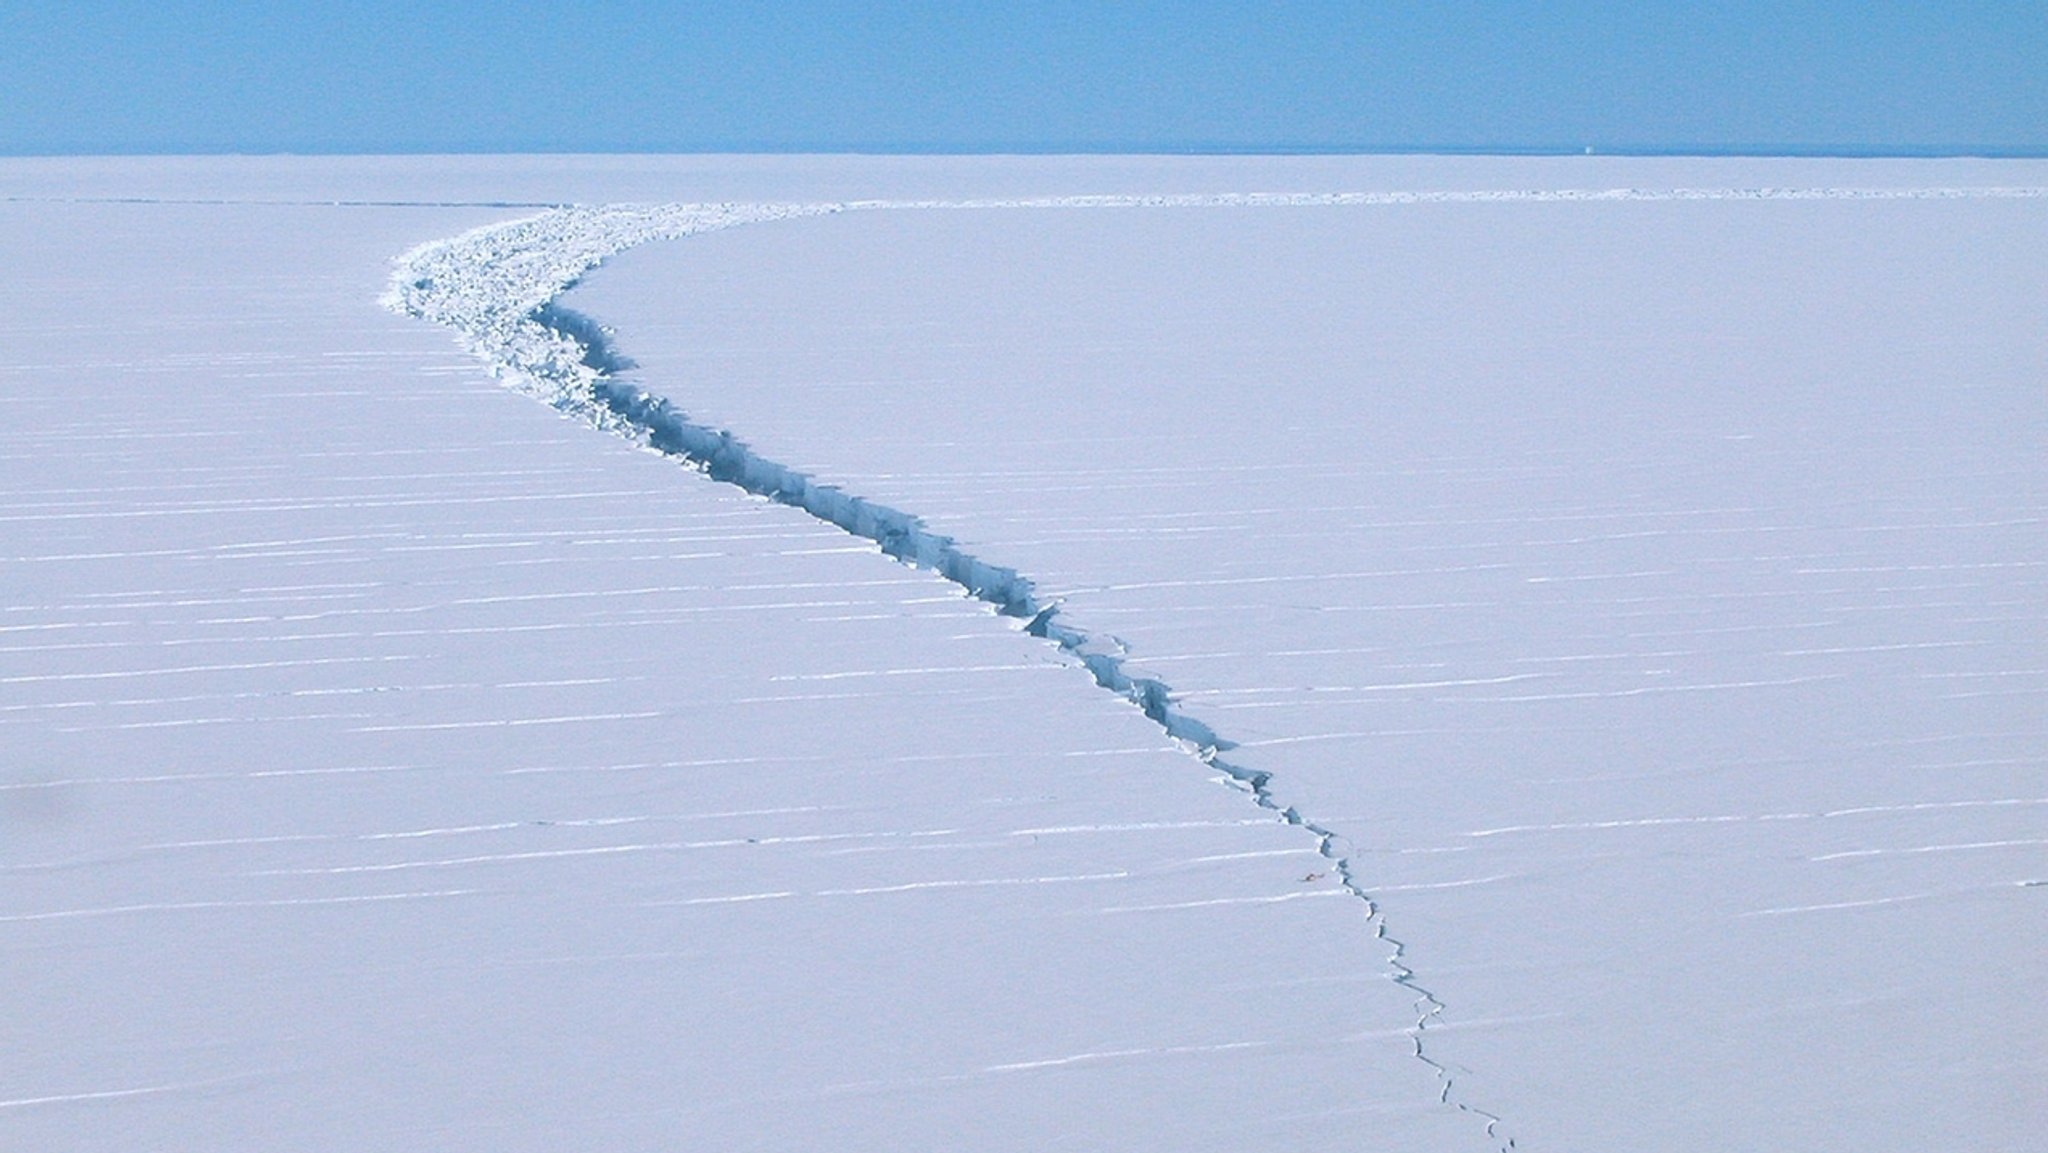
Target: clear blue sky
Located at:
point(891, 75)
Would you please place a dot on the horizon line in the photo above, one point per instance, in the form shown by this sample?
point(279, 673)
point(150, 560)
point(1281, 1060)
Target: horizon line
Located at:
point(1191, 150)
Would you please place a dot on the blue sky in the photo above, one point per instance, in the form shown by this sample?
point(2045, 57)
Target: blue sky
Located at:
point(888, 75)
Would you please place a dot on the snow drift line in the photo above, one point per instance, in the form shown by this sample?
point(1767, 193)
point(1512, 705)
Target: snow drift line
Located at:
point(495, 286)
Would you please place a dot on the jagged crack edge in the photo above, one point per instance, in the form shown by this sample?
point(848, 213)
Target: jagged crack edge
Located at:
point(907, 539)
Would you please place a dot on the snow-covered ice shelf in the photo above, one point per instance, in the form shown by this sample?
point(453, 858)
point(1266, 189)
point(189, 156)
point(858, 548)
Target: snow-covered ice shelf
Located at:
point(1647, 593)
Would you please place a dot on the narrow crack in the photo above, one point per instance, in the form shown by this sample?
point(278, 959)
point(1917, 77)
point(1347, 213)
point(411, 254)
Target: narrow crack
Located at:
point(658, 424)
point(495, 287)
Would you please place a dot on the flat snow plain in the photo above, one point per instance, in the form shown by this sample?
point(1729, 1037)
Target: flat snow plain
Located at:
point(1641, 598)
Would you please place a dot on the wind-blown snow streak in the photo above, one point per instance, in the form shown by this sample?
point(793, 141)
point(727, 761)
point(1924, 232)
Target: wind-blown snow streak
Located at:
point(495, 286)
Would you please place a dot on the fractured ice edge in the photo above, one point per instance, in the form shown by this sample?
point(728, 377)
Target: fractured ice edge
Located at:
point(495, 287)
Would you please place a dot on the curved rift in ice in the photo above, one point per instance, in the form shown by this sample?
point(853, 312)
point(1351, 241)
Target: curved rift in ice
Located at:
point(495, 287)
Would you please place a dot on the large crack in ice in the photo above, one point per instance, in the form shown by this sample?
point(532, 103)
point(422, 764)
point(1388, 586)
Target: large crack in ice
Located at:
point(495, 287)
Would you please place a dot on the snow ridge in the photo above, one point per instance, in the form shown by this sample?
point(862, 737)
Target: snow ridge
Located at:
point(495, 287)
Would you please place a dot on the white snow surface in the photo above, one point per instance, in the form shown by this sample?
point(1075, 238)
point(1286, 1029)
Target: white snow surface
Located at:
point(1586, 619)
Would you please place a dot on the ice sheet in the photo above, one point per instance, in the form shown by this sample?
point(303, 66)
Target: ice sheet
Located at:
point(1649, 593)
point(1644, 595)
